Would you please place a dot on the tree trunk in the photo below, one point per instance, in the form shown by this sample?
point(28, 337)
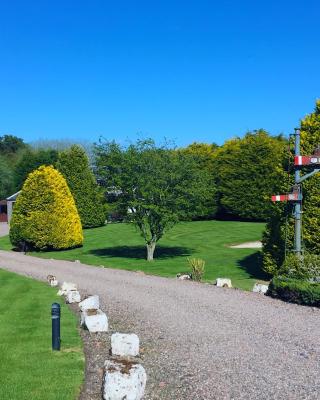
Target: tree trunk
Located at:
point(150, 250)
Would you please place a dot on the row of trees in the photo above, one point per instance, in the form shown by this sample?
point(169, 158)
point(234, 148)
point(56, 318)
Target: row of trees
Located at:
point(160, 186)
point(242, 173)
point(157, 186)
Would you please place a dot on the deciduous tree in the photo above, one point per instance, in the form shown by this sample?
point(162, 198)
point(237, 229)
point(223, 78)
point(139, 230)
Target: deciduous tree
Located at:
point(157, 185)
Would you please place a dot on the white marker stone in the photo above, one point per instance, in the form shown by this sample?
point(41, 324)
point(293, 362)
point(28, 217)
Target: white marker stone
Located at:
point(260, 288)
point(183, 277)
point(73, 296)
point(124, 381)
point(124, 345)
point(94, 320)
point(91, 303)
point(223, 282)
point(67, 287)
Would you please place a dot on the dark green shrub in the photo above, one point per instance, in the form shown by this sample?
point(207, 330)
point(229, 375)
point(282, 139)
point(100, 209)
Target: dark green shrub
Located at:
point(306, 267)
point(74, 166)
point(247, 172)
point(281, 229)
point(295, 291)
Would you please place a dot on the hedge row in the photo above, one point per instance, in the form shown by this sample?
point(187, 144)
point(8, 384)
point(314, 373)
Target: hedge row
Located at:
point(295, 291)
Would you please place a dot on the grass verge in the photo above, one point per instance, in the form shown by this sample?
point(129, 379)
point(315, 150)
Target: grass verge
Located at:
point(120, 246)
point(29, 369)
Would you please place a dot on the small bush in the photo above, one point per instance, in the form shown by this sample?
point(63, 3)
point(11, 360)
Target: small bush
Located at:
point(295, 291)
point(306, 267)
point(197, 268)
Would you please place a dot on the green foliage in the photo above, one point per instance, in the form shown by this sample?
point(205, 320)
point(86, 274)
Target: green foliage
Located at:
point(247, 172)
point(45, 215)
point(306, 267)
point(276, 233)
point(204, 156)
point(157, 185)
point(11, 148)
point(31, 160)
point(6, 179)
point(10, 144)
point(274, 238)
point(197, 268)
point(74, 166)
point(295, 291)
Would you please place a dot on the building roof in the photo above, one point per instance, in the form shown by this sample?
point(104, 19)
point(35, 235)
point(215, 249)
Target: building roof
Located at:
point(13, 197)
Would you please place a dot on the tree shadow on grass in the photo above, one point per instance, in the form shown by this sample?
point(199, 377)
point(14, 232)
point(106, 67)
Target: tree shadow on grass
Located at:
point(140, 252)
point(253, 266)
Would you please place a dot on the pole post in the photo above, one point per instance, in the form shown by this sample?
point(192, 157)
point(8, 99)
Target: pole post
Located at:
point(55, 315)
point(297, 208)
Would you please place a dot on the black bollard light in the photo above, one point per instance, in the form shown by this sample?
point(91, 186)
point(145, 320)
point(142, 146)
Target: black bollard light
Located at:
point(55, 315)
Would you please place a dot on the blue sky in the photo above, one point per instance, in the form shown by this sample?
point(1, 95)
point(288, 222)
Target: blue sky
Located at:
point(185, 70)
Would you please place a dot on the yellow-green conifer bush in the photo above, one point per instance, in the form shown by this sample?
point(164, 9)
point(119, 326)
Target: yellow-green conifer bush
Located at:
point(45, 215)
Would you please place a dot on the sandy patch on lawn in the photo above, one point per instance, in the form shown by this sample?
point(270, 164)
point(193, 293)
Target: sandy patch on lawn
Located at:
point(248, 245)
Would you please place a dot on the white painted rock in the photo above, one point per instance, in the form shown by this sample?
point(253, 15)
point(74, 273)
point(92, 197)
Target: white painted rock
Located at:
point(124, 345)
point(73, 296)
point(183, 277)
point(260, 288)
point(67, 287)
point(223, 282)
point(94, 320)
point(124, 381)
point(91, 303)
point(54, 283)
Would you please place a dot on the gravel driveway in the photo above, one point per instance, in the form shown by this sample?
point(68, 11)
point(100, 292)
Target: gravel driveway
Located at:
point(4, 229)
point(199, 341)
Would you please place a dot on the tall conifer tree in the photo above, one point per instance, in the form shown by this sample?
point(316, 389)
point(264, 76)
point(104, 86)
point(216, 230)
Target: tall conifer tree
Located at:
point(74, 166)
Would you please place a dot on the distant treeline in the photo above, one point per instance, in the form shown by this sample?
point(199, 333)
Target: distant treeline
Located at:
point(243, 172)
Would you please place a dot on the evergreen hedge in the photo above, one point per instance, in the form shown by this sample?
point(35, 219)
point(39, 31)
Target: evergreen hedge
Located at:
point(247, 173)
point(295, 291)
point(277, 237)
point(45, 215)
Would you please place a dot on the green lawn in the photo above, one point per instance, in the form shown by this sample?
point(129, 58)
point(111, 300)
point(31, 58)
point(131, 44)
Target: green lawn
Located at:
point(29, 369)
point(120, 246)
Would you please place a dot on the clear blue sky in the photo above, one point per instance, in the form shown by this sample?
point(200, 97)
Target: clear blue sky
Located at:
point(185, 70)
